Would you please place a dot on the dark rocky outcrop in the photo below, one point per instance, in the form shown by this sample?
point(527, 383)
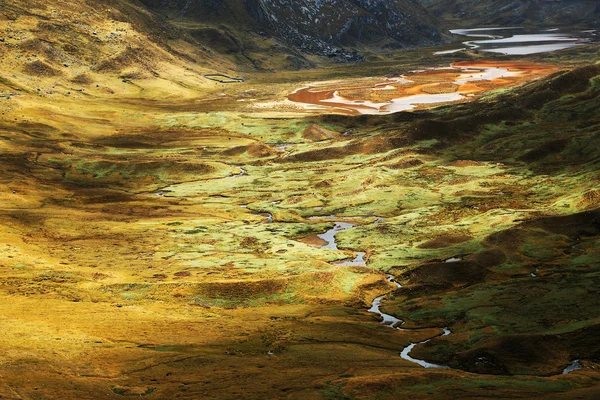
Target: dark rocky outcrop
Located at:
point(322, 27)
point(516, 12)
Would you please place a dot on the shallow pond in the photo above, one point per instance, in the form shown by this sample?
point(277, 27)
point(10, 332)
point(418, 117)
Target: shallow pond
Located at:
point(517, 41)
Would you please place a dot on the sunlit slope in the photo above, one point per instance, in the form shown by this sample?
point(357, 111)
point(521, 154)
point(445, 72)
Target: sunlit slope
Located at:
point(92, 48)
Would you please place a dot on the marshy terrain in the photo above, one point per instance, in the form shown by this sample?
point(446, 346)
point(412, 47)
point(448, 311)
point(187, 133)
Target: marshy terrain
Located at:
point(168, 235)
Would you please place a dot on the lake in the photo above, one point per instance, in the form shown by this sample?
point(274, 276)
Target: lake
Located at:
point(462, 81)
point(518, 41)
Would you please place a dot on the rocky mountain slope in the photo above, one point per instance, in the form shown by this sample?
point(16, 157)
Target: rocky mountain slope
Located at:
point(321, 27)
point(72, 44)
point(516, 12)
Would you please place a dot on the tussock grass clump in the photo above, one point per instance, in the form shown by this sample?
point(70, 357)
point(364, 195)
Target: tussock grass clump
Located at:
point(41, 69)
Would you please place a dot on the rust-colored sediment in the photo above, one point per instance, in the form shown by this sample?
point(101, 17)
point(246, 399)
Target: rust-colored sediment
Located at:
point(313, 240)
point(424, 82)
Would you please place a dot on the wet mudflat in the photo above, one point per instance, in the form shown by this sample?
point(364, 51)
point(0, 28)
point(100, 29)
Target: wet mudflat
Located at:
point(459, 82)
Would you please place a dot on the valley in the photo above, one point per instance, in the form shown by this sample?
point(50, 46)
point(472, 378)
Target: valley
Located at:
point(179, 224)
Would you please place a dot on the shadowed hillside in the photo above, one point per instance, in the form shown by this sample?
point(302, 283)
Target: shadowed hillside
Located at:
point(324, 28)
point(467, 13)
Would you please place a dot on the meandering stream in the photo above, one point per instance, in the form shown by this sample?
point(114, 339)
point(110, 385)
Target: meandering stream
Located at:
point(389, 320)
point(386, 319)
point(242, 172)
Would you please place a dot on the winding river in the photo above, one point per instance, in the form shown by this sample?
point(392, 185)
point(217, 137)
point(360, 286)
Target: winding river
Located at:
point(386, 319)
point(389, 320)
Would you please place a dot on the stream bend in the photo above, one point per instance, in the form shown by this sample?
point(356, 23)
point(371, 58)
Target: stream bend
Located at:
point(389, 320)
point(386, 319)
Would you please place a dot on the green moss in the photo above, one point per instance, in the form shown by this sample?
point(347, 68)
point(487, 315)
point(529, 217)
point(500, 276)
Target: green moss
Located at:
point(334, 392)
point(196, 230)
